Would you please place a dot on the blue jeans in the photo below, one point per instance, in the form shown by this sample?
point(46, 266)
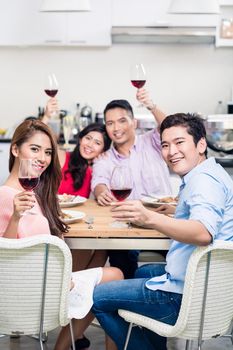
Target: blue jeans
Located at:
point(134, 296)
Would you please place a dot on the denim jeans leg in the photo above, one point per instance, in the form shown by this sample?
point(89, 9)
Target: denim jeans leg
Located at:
point(150, 270)
point(132, 295)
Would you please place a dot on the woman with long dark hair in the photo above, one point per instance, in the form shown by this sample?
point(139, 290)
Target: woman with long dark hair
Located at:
point(32, 139)
point(76, 166)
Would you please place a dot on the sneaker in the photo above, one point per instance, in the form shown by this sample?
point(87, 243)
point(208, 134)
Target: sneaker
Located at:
point(82, 343)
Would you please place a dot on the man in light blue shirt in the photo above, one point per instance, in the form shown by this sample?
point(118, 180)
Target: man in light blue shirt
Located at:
point(204, 213)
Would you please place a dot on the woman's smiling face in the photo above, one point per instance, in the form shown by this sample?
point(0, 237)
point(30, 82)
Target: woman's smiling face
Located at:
point(91, 145)
point(38, 147)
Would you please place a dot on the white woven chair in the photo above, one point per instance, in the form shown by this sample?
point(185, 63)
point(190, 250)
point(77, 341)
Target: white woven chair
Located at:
point(35, 274)
point(207, 304)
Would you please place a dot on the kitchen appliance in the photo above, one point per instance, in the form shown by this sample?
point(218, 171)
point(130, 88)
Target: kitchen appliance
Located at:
point(99, 118)
point(85, 116)
point(219, 129)
point(230, 107)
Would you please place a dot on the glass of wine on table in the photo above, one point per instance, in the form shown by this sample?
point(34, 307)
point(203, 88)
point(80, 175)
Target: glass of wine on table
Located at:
point(121, 185)
point(138, 76)
point(29, 176)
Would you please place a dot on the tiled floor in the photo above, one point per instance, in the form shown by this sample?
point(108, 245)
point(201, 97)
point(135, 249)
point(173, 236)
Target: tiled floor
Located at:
point(96, 336)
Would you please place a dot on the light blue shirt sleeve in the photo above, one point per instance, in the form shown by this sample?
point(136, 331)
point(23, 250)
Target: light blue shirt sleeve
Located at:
point(206, 202)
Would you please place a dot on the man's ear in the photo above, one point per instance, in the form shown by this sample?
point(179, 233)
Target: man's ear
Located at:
point(135, 123)
point(202, 145)
point(15, 150)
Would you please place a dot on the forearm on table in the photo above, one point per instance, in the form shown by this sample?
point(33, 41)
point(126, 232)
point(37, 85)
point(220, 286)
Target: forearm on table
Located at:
point(186, 231)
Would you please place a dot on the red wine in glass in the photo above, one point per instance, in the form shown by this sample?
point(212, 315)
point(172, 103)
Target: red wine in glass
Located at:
point(138, 76)
point(121, 184)
point(29, 183)
point(121, 194)
point(29, 176)
point(138, 83)
point(51, 93)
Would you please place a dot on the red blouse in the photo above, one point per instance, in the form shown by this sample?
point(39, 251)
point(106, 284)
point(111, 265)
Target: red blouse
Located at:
point(66, 185)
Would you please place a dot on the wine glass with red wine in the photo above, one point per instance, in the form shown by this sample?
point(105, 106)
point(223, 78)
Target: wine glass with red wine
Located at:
point(51, 87)
point(138, 76)
point(121, 185)
point(29, 176)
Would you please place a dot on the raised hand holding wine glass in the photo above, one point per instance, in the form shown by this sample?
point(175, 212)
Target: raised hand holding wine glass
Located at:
point(29, 176)
point(138, 76)
point(121, 185)
point(51, 88)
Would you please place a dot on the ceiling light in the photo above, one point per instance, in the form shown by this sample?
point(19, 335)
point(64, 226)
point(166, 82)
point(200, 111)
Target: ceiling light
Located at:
point(194, 7)
point(65, 5)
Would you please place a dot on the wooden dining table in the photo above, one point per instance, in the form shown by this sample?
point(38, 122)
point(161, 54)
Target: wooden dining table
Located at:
point(101, 235)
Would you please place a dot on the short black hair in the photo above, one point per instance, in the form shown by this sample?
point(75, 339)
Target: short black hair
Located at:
point(192, 122)
point(124, 104)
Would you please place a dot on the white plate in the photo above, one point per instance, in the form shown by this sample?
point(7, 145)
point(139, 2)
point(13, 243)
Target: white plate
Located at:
point(73, 202)
point(75, 216)
point(156, 202)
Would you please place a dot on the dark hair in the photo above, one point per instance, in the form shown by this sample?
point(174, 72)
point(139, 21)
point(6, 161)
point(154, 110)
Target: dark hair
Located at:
point(119, 104)
point(77, 164)
point(46, 191)
point(192, 122)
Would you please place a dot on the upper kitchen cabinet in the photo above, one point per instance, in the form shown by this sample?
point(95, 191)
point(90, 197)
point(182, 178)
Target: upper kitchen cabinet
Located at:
point(90, 28)
point(137, 12)
point(154, 13)
point(22, 23)
point(224, 29)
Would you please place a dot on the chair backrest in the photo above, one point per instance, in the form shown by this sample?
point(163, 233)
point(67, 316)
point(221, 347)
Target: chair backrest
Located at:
point(208, 292)
point(22, 274)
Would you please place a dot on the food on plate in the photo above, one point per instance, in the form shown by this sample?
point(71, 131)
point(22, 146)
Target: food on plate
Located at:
point(66, 215)
point(168, 200)
point(63, 198)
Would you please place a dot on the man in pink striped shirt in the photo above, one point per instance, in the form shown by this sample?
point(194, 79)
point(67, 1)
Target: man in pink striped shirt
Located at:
point(142, 153)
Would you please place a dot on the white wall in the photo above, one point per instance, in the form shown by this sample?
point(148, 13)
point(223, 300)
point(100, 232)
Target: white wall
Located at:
point(180, 77)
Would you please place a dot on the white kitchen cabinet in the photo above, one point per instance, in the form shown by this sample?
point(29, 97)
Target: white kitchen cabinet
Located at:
point(137, 12)
point(90, 28)
point(22, 24)
point(151, 13)
point(226, 12)
point(4, 160)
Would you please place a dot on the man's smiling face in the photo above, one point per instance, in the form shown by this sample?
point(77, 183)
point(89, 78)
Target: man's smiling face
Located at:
point(179, 150)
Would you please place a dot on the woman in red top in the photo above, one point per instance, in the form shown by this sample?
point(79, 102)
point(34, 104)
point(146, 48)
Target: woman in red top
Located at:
point(76, 166)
